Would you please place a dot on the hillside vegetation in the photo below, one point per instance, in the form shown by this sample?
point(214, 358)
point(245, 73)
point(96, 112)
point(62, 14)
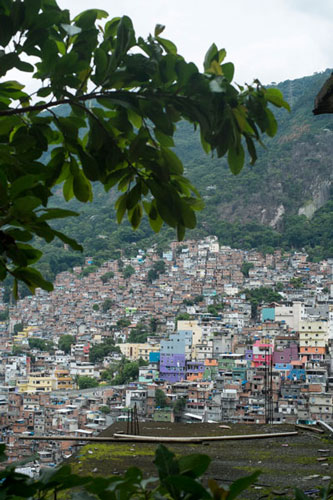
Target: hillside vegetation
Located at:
point(285, 200)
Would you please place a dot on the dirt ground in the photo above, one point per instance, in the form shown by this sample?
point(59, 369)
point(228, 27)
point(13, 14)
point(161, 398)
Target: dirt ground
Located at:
point(285, 462)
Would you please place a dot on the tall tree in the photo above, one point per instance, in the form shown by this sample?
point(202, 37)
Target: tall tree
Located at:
point(123, 96)
point(65, 343)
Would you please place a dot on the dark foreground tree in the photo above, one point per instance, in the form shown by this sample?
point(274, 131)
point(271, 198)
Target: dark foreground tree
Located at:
point(123, 96)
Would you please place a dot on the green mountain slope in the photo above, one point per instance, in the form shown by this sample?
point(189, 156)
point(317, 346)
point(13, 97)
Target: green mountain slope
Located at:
point(262, 207)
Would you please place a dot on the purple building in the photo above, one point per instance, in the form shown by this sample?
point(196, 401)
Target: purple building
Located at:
point(172, 357)
point(172, 367)
point(282, 359)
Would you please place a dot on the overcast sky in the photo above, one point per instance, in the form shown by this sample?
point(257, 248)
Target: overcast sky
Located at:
point(271, 40)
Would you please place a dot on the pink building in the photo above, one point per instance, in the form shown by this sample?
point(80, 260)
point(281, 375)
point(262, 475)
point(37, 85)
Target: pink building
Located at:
point(262, 354)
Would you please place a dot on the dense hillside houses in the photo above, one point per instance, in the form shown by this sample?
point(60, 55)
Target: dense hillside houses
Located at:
point(199, 333)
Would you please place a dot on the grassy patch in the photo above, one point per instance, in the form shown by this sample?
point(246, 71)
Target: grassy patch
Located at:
point(113, 451)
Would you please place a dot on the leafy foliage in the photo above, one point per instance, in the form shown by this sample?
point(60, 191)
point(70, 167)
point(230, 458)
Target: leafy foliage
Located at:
point(261, 295)
point(128, 271)
point(18, 327)
point(41, 344)
point(65, 342)
point(138, 334)
point(4, 315)
point(245, 268)
point(107, 304)
point(123, 372)
point(107, 276)
point(160, 398)
point(86, 382)
point(99, 351)
point(120, 133)
point(157, 269)
point(178, 479)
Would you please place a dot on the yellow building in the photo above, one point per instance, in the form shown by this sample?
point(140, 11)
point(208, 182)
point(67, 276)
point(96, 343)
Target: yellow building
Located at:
point(20, 336)
point(26, 332)
point(63, 380)
point(135, 351)
point(37, 382)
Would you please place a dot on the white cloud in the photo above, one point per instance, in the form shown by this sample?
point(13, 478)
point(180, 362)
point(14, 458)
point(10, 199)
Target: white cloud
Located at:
point(276, 40)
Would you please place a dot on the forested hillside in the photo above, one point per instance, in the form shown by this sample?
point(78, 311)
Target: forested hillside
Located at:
point(284, 200)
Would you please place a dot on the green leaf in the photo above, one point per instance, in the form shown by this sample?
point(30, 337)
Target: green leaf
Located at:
point(8, 123)
point(211, 55)
point(23, 183)
point(172, 162)
point(236, 158)
point(185, 72)
point(155, 223)
point(194, 465)
point(125, 37)
point(188, 216)
point(57, 213)
point(241, 118)
point(68, 188)
point(19, 235)
point(133, 196)
point(165, 462)
point(89, 166)
point(221, 55)
point(163, 139)
point(44, 92)
point(159, 28)
point(32, 278)
point(69, 241)
point(186, 487)
point(24, 66)
point(135, 216)
point(101, 63)
point(180, 232)
point(134, 118)
point(275, 96)
point(166, 212)
point(168, 46)
point(7, 31)
point(113, 178)
point(242, 484)
point(25, 204)
point(120, 206)
point(31, 254)
point(94, 13)
point(82, 187)
point(228, 70)
point(272, 127)
point(205, 145)
point(251, 149)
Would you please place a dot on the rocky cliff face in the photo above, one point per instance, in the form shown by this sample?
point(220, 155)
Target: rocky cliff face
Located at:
point(293, 175)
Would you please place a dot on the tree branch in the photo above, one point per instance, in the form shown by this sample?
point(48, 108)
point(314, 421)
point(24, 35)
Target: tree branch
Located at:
point(52, 104)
